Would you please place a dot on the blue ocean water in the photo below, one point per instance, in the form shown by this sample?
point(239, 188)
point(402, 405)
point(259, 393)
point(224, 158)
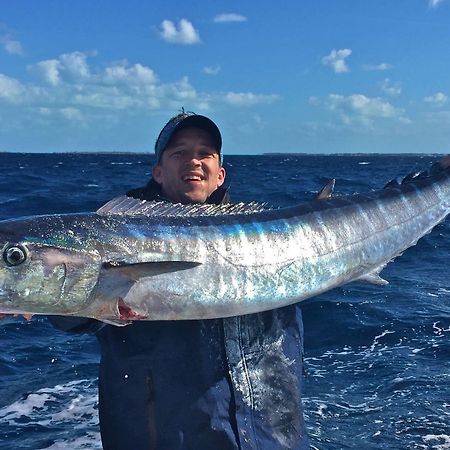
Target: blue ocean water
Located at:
point(377, 358)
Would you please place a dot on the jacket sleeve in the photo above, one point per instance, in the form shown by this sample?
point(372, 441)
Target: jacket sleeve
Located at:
point(76, 324)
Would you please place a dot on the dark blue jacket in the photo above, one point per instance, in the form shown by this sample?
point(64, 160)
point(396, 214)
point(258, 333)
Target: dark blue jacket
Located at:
point(231, 383)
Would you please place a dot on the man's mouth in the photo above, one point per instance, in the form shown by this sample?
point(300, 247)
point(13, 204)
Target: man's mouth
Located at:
point(192, 178)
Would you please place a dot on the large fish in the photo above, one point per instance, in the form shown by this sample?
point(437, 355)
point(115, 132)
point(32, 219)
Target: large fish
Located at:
point(136, 260)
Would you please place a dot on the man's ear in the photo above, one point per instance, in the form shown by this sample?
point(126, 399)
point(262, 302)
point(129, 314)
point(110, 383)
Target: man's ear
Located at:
point(157, 173)
point(221, 177)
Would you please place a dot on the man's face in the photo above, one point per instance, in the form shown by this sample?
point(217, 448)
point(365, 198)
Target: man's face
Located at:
point(189, 170)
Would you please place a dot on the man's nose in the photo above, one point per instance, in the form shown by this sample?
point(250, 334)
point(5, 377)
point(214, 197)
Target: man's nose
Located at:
point(193, 160)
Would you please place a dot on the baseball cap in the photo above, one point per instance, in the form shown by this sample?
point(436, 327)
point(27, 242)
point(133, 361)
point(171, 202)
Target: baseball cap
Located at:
point(186, 120)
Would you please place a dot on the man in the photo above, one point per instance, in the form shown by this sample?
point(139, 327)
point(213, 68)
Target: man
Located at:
point(231, 383)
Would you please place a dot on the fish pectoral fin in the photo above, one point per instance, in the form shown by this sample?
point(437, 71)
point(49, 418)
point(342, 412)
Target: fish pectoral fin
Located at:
point(327, 191)
point(135, 271)
point(373, 278)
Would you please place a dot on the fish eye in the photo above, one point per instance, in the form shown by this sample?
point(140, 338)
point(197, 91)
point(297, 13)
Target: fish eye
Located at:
point(14, 255)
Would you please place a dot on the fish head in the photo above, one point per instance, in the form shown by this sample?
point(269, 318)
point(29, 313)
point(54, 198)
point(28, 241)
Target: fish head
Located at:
point(39, 275)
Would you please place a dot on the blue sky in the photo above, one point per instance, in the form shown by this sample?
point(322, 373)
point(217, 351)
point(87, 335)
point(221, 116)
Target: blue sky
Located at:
point(292, 76)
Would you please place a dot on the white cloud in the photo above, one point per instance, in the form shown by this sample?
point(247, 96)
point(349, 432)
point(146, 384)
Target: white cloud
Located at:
point(11, 46)
point(359, 109)
point(11, 90)
point(434, 3)
point(377, 67)
point(390, 87)
point(75, 65)
point(185, 33)
point(121, 73)
point(70, 91)
point(438, 99)
point(72, 66)
point(67, 86)
point(230, 17)
point(249, 99)
point(71, 113)
point(48, 70)
point(179, 91)
point(336, 60)
point(211, 70)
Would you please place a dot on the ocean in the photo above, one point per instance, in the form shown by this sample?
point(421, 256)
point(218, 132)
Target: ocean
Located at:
point(377, 370)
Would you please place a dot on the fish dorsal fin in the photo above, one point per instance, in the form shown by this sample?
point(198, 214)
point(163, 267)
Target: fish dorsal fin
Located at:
point(124, 205)
point(327, 191)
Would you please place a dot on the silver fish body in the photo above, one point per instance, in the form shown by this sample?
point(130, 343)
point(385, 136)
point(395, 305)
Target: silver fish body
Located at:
point(144, 261)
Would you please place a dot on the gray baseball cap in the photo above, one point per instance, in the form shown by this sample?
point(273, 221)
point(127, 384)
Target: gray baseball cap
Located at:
point(186, 120)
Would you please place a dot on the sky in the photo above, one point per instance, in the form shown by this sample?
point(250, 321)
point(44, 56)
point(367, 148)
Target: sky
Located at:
point(311, 76)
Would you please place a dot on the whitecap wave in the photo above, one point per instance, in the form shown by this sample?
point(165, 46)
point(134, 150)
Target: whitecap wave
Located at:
point(72, 405)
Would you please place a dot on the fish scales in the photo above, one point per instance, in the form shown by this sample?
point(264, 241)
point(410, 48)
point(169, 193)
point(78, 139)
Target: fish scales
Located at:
point(145, 261)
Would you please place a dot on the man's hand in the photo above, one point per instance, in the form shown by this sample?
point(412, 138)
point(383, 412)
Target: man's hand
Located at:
point(25, 316)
